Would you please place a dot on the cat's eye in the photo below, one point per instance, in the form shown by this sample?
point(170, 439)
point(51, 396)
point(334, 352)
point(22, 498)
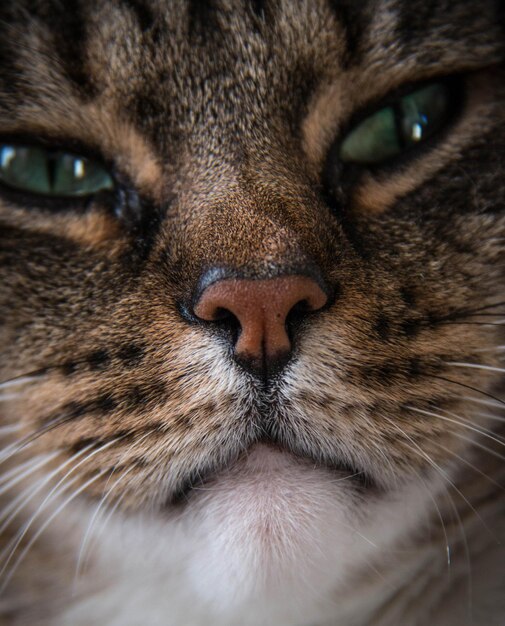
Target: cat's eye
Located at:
point(393, 129)
point(51, 173)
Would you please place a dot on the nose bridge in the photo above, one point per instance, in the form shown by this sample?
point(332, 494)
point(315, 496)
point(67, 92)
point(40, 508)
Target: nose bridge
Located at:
point(241, 235)
point(252, 230)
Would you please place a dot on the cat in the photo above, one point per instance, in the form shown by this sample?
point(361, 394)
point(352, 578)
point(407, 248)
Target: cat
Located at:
point(251, 312)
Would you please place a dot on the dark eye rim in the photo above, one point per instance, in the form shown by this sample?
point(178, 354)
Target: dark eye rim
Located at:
point(59, 203)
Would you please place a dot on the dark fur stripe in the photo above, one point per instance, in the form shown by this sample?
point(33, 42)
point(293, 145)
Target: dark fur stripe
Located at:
point(143, 13)
point(354, 18)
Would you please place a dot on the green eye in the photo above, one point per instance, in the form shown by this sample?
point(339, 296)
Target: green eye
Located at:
point(49, 173)
point(392, 130)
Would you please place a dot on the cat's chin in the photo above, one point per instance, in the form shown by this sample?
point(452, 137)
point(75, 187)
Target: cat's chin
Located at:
point(268, 524)
point(271, 537)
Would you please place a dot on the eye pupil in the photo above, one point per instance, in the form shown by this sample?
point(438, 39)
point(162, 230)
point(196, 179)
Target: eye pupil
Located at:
point(50, 173)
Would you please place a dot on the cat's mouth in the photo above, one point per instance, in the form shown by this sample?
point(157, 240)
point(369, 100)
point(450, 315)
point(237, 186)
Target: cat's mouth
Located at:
point(267, 460)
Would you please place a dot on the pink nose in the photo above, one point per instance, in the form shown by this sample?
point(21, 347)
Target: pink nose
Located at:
point(262, 308)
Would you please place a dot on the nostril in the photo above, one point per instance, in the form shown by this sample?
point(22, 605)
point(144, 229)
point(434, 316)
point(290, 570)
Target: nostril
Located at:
point(301, 308)
point(222, 320)
point(221, 315)
point(297, 316)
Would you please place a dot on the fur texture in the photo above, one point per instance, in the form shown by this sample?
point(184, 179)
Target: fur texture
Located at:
point(148, 477)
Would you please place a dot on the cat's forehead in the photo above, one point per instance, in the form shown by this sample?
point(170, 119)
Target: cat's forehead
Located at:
point(183, 48)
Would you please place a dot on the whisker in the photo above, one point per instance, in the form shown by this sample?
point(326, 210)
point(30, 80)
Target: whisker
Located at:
point(449, 322)
point(465, 386)
point(8, 397)
point(479, 445)
point(458, 422)
point(11, 428)
point(33, 468)
point(45, 525)
point(19, 468)
point(491, 416)
point(442, 522)
point(9, 551)
point(102, 502)
point(18, 381)
point(491, 349)
point(465, 548)
point(470, 465)
point(464, 312)
point(93, 520)
point(52, 495)
point(485, 431)
point(492, 403)
point(496, 314)
point(10, 512)
point(477, 366)
point(127, 452)
point(12, 449)
point(30, 439)
point(441, 472)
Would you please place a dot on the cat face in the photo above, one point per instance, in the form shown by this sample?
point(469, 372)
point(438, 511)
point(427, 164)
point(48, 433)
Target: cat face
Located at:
point(230, 209)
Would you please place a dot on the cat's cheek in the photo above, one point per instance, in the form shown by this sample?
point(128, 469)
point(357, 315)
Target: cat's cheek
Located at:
point(267, 526)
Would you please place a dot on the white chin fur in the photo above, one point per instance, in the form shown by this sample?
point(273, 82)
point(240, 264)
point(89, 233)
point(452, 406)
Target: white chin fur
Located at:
point(269, 541)
point(267, 530)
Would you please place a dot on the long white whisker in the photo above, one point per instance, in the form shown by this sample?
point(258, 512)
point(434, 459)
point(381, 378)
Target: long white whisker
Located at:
point(19, 468)
point(46, 524)
point(458, 422)
point(11, 428)
point(466, 549)
point(479, 445)
point(477, 366)
point(492, 349)
point(54, 492)
point(442, 473)
point(18, 382)
point(12, 449)
point(442, 522)
point(93, 520)
point(7, 397)
point(26, 442)
point(126, 453)
point(33, 468)
point(103, 500)
point(112, 510)
point(468, 464)
point(491, 416)
point(10, 549)
point(31, 439)
point(455, 511)
point(10, 512)
point(485, 402)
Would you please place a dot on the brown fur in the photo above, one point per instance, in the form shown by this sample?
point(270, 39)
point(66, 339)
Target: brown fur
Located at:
point(219, 122)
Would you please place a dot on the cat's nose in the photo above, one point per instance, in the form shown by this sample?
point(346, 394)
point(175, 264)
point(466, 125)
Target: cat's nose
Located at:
point(257, 315)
